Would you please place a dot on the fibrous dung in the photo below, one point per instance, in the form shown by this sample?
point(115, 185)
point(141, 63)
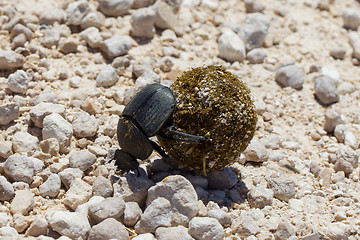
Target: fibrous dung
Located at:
point(216, 104)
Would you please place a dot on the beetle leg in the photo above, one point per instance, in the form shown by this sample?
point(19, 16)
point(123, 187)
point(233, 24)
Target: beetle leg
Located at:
point(125, 161)
point(181, 136)
point(159, 149)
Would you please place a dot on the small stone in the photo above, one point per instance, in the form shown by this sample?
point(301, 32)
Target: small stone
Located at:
point(75, 82)
point(51, 15)
point(5, 219)
point(23, 202)
point(284, 231)
point(18, 82)
point(245, 225)
point(102, 187)
point(253, 6)
point(338, 52)
point(112, 207)
point(148, 77)
point(179, 232)
point(231, 47)
point(50, 146)
point(108, 229)
point(84, 125)
point(206, 228)
point(75, 11)
point(116, 46)
point(339, 132)
point(284, 189)
point(255, 29)
point(142, 3)
point(338, 177)
point(5, 149)
point(224, 179)
point(55, 126)
point(51, 187)
point(70, 224)
point(182, 196)
point(10, 60)
point(78, 193)
point(157, 214)
point(132, 214)
point(41, 110)
point(21, 29)
point(142, 23)
point(38, 227)
point(21, 222)
point(9, 112)
point(68, 45)
point(51, 38)
point(350, 140)
point(8, 233)
point(255, 152)
point(315, 168)
point(69, 174)
point(144, 236)
point(325, 176)
point(256, 56)
point(260, 197)
point(115, 8)
point(351, 18)
point(106, 77)
point(93, 19)
point(220, 215)
point(6, 190)
point(19, 168)
point(338, 231)
point(354, 39)
point(92, 37)
point(289, 75)
point(166, 63)
point(25, 143)
point(332, 119)
point(325, 90)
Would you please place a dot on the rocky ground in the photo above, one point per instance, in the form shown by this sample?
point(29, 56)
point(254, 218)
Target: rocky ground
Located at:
point(68, 68)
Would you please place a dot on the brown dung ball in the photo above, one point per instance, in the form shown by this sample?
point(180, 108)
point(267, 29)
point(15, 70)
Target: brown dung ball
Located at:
point(216, 104)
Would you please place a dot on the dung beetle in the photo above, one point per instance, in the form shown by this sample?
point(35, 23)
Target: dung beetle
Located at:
point(148, 114)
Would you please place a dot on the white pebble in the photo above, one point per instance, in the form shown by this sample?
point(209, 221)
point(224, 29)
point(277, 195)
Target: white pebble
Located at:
point(18, 82)
point(9, 112)
point(106, 77)
point(51, 187)
point(231, 47)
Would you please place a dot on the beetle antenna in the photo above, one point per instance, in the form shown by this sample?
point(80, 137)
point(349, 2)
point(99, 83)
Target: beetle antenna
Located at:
point(181, 136)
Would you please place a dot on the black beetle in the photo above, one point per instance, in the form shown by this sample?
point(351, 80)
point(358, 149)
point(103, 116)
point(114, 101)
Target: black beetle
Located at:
point(149, 113)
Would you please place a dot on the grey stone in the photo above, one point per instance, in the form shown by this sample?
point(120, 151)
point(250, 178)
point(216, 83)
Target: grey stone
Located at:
point(338, 231)
point(231, 47)
point(25, 143)
point(133, 189)
point(68, 45)
point(256, 56)
point(289, 75)
point(5, 219)
point(9, 112)
point(108, 229)
point(132, 214)
point(112, 207)
point(92, 37)
point(48, 97)
point(142, 23)
point(70, 224)
point(354, 38)
point(84, 125)
point(93, 19)
point(351, 18)
point(348, 154)
point(157, 214)
point(41, 110)
point(256, 152)
point(38, 227)
point(69, 174)
point(332, 119)
point(182, 196)
point(106, 77)
point(206, 228)
point(166, 63)
point(18, 82)
point(325, 90)
point(245, 225)
point(82, 160)
point(339, 132)
point(342, 165)
point(55, 126)
point(144, 236)
point(51, 38)
point(102, 187)
point(284, 231)
point(252, 6)
point(224, 179)
point(23, 202)
point(255, 29)
point(115, 8)
point(51, 187)
point(78, 193)
point(284, 189)
point(116, 46)
point(198, 181)
point(148, 77)
point(19, 168)
point(21, 29)
point(338, 52)
point(260, 197)
point(75, 11)
point(8, 233)
point(6, 190)
point(51, 15)
point(220, 215)
point(142, 3)
point(172, 233)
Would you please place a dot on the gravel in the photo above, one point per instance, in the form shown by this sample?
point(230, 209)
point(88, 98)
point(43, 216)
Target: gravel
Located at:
point(108, 229)
point(289, 75)
point(206, 228)
point(19, 168)
point(326, 91)
point(142, 23)
point(112, 207)
point(10, 60)
point(8, 113)
point(231, 47)
point(18, 82)
point(106, 77)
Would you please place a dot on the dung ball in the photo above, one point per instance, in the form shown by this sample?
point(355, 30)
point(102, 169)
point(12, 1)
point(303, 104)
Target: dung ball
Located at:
point(215, 104)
